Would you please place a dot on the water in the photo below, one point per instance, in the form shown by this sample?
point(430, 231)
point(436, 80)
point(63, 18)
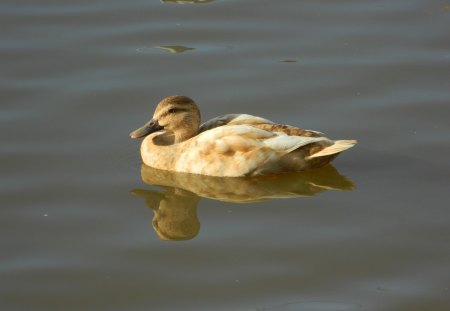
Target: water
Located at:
point(76, 232)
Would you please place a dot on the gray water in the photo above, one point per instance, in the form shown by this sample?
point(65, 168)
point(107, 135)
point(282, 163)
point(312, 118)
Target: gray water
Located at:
point(78, 215)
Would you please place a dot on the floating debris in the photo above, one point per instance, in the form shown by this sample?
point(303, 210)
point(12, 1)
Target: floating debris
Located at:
point(174, 48)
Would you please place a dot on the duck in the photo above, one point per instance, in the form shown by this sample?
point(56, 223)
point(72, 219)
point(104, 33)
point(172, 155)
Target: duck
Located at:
point(232, 145)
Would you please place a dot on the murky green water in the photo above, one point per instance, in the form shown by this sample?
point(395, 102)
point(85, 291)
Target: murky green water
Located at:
point(82, 229)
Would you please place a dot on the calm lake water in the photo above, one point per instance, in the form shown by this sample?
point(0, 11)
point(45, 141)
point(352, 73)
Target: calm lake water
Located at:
point(85, 227)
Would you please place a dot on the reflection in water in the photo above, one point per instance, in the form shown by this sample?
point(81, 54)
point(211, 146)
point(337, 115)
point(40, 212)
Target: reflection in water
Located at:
point(250, 189)
point(174, 208)
point(175, 213)
point(174, 48)
point(187, 1)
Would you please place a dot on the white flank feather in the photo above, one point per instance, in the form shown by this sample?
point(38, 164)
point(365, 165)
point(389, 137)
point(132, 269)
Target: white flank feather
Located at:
point(234, 130)
point(339, 146)
point(290, 143)
point(249, 119)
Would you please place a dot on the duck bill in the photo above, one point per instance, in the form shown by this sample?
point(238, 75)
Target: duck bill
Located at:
point(149, 127)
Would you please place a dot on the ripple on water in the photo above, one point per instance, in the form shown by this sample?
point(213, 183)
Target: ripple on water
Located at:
point(315, 306)
point(187, 1)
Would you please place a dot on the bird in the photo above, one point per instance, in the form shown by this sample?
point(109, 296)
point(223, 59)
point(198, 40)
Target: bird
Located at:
point(232, 145)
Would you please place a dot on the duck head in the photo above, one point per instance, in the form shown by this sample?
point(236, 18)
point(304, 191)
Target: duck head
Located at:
point(178, 115)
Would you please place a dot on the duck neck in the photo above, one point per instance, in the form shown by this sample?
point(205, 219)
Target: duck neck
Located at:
point(184, 134)
point(188, 130)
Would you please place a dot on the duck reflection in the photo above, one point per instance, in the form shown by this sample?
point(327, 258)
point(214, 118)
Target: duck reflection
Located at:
point(174, 208)
point(175, 212)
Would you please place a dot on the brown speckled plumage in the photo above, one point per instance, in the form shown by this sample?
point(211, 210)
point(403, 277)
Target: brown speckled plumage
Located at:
point(287, 129)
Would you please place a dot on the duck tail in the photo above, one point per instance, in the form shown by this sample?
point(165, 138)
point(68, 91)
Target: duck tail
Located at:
point(337, 147)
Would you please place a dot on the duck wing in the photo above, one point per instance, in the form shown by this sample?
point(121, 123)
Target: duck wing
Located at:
point(238, 150)
point(233, 119)
point(258, 122)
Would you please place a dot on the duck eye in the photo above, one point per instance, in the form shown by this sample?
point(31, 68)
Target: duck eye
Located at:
point(172, 110)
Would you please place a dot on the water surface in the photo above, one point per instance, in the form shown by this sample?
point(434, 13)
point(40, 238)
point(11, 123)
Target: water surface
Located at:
point(77, 77)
